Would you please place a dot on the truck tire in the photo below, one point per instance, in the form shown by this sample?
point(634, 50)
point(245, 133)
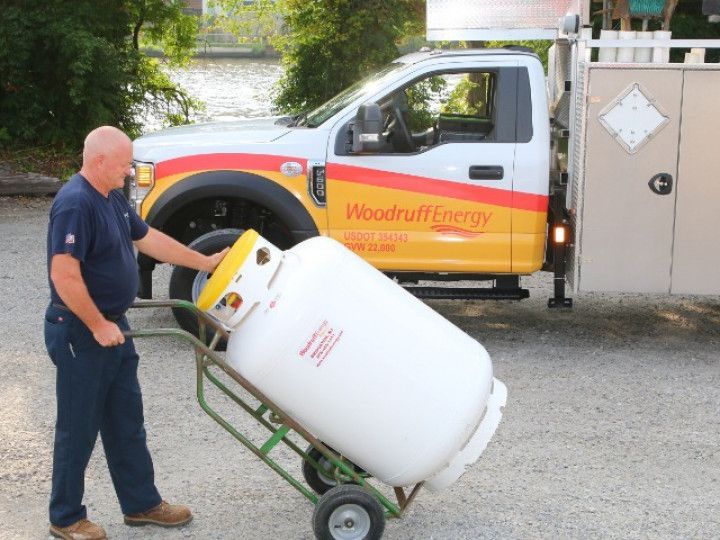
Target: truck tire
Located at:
point(186, 283)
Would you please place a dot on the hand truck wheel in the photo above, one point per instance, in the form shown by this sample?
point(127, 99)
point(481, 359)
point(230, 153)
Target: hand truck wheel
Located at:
point(322, 480)
point(348, 512)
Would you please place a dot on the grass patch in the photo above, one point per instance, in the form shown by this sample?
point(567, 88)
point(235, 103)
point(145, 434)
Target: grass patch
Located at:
point(56, 161)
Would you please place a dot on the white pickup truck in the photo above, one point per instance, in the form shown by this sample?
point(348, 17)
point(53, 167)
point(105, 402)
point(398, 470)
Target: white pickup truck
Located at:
point(466, 164)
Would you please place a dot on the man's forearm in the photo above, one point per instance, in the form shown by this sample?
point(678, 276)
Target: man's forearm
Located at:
point(74, 294)
point(163, 248)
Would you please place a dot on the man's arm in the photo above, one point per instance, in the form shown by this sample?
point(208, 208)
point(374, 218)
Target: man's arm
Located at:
point(163, 248)
point(69, 284)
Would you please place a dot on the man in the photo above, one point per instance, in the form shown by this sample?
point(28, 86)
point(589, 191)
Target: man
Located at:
point(93, 280)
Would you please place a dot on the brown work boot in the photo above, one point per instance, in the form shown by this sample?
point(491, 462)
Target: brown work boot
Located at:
point(164, 514)
point(80, 530)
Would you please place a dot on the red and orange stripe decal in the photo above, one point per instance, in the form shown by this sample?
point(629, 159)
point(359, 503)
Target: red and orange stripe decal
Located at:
point(440, 188)
point(206, 162)
point(358, 175)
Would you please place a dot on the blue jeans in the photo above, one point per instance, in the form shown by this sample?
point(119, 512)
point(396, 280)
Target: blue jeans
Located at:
point(97, 391)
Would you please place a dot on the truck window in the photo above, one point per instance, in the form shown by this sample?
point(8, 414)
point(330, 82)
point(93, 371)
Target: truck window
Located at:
point(441, 108)
point(447, 96)
point(350, 94)
point(456, 106)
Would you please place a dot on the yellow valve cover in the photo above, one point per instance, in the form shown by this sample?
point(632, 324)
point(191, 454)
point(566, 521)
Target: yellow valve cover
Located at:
point(223, 274)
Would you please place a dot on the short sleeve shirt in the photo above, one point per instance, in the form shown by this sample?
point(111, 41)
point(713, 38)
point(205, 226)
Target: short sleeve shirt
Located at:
point(99, 232)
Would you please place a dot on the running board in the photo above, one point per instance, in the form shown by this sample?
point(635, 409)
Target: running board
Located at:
point(457, 293)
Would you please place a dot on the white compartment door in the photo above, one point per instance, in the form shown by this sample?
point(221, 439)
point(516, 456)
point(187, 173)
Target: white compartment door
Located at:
point(696, 253)
point(632, 137)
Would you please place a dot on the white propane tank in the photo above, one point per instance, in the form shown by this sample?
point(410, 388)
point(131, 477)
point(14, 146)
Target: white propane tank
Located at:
point(355, 359)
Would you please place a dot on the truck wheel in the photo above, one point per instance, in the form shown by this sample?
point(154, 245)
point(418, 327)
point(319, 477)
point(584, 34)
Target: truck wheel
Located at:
point(186, 283)
point(348, 512)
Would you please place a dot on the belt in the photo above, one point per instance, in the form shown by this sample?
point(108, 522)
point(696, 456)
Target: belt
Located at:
point(109, 316)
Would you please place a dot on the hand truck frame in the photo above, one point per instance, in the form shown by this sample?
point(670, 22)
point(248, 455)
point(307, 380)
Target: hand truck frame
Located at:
point(351, 507)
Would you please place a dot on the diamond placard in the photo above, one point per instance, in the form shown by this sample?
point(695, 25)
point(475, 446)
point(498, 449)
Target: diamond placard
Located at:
point(633, 118)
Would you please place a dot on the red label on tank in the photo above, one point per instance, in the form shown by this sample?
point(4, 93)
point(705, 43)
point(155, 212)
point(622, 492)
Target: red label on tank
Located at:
point(321, 342)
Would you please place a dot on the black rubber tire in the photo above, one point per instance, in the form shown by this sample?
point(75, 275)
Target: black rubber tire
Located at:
point(319, 482)
point(359, 501)
point(181, 279)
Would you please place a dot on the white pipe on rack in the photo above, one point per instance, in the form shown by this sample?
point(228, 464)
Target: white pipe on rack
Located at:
point(644, 54)
point(661, 55)
point(607, 54)
point(626, 55)
point(670, 43)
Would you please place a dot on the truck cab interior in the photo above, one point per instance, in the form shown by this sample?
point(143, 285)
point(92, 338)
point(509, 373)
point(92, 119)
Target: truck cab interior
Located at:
point(440, 108)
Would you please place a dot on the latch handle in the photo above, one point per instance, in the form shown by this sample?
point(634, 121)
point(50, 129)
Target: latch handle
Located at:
point(661, 183)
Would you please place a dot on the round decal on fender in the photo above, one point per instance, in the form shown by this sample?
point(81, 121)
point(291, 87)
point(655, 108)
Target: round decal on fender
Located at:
point(291, 168)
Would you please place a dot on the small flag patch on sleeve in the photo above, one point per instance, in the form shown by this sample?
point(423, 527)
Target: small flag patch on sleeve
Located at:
point(70, 238)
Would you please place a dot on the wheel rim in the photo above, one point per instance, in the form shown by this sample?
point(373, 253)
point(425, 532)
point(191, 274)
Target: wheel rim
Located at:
point(198, 285)
point(325, 473)
point(349, 522)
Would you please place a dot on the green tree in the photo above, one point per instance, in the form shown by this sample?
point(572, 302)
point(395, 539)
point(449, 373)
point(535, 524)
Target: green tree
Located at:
point(251, 22)
point(67, 67)
point(330, 44)
point(688, 22)
point(327, 45)
point(161, 23)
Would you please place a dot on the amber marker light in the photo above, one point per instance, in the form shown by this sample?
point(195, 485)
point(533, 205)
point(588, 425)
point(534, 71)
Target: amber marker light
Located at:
point(140, 183)
point(559, 235)
point(144, 174)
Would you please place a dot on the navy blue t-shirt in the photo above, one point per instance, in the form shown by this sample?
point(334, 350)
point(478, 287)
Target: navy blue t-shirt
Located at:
point(98, 232)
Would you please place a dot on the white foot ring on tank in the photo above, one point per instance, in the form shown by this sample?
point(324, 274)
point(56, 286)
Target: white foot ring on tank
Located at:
point(477, 443)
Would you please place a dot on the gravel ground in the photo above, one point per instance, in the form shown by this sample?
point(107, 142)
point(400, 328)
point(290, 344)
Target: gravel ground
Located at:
point(611, 429)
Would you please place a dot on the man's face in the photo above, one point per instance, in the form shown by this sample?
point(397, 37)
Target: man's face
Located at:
point(116, 164)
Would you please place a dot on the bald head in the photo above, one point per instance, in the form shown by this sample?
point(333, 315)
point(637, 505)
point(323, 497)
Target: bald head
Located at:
point(102, 141)
point(107, 158)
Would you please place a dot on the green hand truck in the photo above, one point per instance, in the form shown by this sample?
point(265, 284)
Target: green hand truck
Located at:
point(347, 505)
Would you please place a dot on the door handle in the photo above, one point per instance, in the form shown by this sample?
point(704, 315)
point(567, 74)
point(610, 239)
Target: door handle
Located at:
point(486, 172)
point(661, 183)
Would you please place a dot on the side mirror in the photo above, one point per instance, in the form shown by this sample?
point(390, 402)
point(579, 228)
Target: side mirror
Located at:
point(367, 131)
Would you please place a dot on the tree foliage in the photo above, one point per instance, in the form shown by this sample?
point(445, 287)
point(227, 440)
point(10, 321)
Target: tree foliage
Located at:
point(67, 67)
point(330, 44)
point(251, 22)
point(327, 45)
point(688, 22)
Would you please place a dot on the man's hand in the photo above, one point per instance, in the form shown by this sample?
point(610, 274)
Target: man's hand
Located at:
point(108, 334)
point(214, 260)
point(163, 248)
point(67, 278)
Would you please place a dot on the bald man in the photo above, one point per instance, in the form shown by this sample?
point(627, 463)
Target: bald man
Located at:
point(93, 280)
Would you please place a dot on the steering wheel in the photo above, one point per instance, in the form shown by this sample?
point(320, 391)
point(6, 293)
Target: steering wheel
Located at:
point(402, 138)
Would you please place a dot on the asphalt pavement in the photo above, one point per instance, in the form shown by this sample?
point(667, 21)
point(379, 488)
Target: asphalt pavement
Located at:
point(611, 430)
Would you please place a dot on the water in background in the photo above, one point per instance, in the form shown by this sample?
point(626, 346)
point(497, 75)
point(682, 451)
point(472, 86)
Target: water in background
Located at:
point(232, 88)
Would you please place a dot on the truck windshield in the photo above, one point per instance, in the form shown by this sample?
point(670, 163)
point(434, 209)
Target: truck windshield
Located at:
point(347, 96)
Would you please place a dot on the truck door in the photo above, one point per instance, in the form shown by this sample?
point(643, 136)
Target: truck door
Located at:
point(437, 192)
